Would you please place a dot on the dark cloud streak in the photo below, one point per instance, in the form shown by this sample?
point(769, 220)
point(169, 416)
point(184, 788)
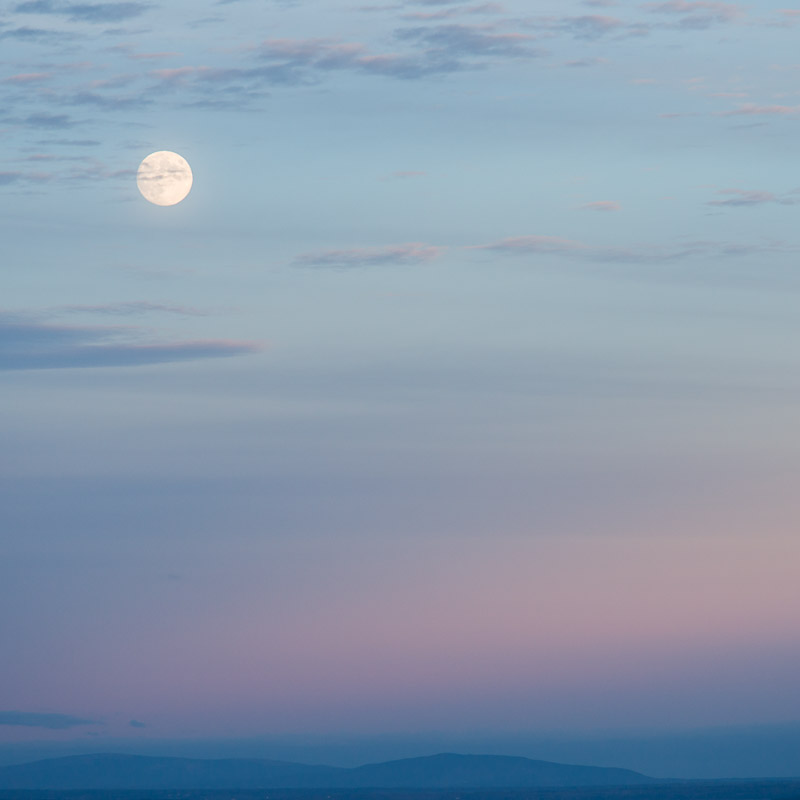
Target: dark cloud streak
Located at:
point(84, 12)
point(27, 343)
point(53, 722)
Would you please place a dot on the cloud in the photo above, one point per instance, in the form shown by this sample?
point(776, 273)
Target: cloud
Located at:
point(434, 2)
point(404, 174)
point(586, 62)
point(470, 40)
point(154, 56)
point(697, 14)
point(134, 723)
point(44, 120)
point(85, 98)
point(35, 7)
point(588, 26)
point(26, 78)
point(326, 55)
point(132, 308)
point(437, 50)
point(754, 110)
point(53, 722)
point(726, 11)
point(535, 244)
point(602, 205)
point(592, 26)
point(84, 12)
point(636, 254)
point(646, 253)
point(7, 178)
point(789, 16)
point(70, 142)
point(447, 13)
point(28, 343)
point(751, 197)
point(27, 34)
point(230, 81)
point(399, 254)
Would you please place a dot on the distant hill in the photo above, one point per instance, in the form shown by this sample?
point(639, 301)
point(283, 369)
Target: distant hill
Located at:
point(452, 771)
point(446, 770)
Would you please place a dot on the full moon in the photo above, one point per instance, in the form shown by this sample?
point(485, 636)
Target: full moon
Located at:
point(164, 178)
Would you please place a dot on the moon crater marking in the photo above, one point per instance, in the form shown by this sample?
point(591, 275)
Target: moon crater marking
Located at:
point(164, 178)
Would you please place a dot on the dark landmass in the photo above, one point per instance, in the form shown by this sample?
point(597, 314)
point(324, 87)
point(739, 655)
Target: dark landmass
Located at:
point(443, 771)
point(448, 770)
point(686, 790)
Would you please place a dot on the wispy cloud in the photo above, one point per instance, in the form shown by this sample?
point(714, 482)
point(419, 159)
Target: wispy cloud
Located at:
point(632, 254)
point(25, 33)
point(70, 142)
point(29, 343)
point(789, 16)
point(293, 57)
point(45, 120)
point(535, 244)
point(17, 177)
point(53, 722)
point(130, 309)
point(84, 12)
point(724, 11)
point(697, 14)
point(586, 62)
point(26, 78)
point(404, 174)
point(587, 26)
point(755, 110)
point(107, 102)
point(455, 11)
point(7, 178)
point(398, 254)
point(752, 197)
point(602, 205)
point(471, 40)
point(153, 56)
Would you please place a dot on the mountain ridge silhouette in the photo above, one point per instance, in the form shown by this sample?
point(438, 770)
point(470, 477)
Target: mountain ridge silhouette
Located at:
point(111, 771)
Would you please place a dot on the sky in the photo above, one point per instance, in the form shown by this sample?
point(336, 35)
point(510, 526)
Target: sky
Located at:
point(455, 405)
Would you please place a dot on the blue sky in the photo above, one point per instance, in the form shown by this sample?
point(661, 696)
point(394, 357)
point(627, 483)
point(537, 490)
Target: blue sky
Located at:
point(458, 398)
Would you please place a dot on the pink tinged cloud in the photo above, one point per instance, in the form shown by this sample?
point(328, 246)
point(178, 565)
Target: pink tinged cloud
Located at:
point(28, 77)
